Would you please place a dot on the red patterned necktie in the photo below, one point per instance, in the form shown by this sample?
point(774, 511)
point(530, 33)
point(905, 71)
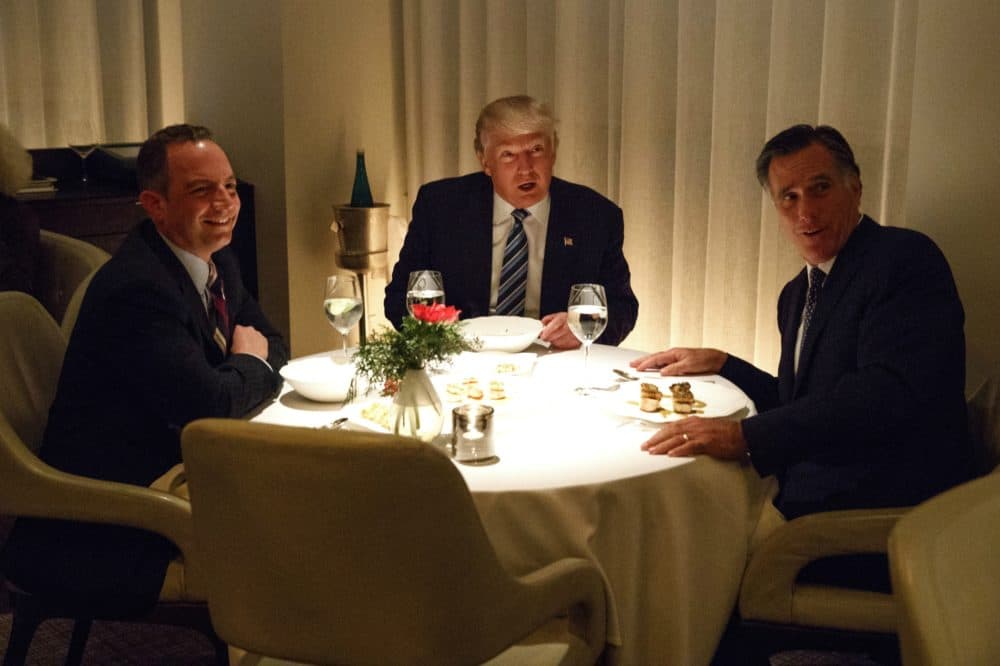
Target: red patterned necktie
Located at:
point(217, 292)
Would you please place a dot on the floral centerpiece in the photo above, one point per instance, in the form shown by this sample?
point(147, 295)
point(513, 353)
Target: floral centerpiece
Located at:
point(396, 361)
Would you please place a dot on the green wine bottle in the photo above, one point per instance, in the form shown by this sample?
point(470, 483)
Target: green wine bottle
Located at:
point(361, 194)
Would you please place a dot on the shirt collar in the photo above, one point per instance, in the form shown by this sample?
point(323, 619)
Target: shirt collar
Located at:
point(502, 210)
point(196, 267)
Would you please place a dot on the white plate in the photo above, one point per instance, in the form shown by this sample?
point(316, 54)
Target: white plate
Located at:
point(505, 334)
point(719, 400)
point(355, 412)
point(319, 378)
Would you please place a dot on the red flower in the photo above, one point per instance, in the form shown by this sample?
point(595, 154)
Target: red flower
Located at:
point(436, 314)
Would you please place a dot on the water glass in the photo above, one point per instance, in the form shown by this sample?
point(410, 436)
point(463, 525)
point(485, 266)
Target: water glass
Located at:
point(424, 287)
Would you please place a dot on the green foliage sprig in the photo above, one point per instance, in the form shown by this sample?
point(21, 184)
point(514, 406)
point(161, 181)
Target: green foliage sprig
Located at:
point(431, 335)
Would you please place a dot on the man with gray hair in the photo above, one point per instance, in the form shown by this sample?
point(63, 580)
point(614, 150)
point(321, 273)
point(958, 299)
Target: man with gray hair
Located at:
point(462, 227)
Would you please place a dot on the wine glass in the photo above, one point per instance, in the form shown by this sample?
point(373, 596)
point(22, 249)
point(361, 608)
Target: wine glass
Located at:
point(425, 288)
point(342, 304)
point(83, 150)
point(587, 316)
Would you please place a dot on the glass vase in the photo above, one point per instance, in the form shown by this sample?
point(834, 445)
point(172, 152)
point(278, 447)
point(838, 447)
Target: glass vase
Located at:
point(416, 407)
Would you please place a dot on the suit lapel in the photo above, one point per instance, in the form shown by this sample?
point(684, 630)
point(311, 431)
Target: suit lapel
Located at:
point(841, 275)
point(188, 293)
point(480, 250)
point(554, 293)
point(791, 318)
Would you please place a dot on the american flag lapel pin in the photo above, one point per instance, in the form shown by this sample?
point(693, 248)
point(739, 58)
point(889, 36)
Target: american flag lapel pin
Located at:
point(567, 241)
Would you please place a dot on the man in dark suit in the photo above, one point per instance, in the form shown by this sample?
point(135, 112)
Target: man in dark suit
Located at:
point(154, 348)
point(461, 227)
point(868, 407)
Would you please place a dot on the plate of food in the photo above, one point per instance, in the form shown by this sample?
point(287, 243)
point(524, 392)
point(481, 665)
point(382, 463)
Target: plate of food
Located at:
point(502, 333)
point(662, 400)
point(473, 388)
point(373, 414)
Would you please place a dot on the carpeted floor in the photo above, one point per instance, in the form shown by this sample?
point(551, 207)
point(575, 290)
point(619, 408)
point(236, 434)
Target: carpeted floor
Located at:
point(121, 644)
point(117, 644)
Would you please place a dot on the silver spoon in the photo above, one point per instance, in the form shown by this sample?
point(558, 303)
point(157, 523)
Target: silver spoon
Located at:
point(336, 423)
point(612, 387)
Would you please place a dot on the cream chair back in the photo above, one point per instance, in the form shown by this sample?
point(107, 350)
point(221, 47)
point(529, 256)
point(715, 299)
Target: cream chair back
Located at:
point(943, 561)
point(346, 547)
point(62, 264)
point(31, 356)
point(73, 306)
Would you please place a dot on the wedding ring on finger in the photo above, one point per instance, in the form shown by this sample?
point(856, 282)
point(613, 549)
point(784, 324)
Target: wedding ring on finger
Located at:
point(685, 436)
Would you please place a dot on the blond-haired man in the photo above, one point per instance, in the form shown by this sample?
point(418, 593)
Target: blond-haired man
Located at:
point(461, 227)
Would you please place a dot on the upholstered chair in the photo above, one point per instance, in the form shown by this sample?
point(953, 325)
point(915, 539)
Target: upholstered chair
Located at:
point(31, 354)
point(63, 263)
point(942, 556)
point(778, 611)
point(333, 546)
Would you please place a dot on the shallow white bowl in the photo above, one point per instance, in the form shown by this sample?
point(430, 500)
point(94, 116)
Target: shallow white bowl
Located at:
point(500, 333)
point(320, 378)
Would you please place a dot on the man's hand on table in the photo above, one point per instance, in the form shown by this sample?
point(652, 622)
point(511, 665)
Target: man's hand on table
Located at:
point(682, 361)
point(719, 438)
point(556, 332)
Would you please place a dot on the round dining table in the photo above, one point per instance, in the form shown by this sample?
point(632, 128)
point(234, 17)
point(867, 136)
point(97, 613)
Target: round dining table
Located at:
point(669, 534)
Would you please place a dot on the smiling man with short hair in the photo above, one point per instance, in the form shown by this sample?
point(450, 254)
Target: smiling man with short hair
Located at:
point(167, 334)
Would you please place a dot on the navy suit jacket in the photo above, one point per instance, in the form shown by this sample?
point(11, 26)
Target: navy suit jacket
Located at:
point(875, 415)
point(141, 364)
point(452, 232)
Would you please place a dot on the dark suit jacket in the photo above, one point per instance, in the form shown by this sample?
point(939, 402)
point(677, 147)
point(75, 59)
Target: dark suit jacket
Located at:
point(452, 232)
point(140, 365)
point(875, 415)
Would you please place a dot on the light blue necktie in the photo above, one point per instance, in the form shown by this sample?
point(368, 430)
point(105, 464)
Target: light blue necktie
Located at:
point(514, 270)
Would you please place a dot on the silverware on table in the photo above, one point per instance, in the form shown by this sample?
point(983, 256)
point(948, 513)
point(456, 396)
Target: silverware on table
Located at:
point(335, 424)
point(610, 387)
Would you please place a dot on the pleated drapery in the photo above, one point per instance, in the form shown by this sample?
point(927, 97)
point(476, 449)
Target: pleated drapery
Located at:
point(73, 71)
point(663, 106)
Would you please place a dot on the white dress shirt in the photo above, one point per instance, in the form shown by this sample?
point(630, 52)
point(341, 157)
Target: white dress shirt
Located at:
point(535, 226)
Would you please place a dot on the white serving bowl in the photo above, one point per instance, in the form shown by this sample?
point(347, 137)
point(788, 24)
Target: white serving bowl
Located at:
point(320, 378)
point(501, 333)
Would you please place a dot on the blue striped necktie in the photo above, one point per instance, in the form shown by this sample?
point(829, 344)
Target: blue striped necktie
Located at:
point(514, 270)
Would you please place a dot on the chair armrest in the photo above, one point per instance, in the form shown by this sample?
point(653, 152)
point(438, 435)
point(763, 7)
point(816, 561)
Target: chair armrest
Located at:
point(769, 591)
point(59, 495)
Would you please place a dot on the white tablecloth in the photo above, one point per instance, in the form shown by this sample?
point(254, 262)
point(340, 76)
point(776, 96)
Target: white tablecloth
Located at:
point(669, 534)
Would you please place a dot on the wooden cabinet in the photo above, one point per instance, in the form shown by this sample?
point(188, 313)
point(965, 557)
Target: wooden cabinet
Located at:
point(104, 210)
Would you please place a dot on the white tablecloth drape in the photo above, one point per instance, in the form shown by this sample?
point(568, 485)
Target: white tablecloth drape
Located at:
point(669, 534)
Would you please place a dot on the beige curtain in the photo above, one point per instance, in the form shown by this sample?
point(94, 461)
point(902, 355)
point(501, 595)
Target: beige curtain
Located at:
point(73, 71)
point(663, 106)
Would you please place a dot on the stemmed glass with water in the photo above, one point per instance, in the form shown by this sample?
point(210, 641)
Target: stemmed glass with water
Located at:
point(587, 317)
point(425, 288)
point(342, 304)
